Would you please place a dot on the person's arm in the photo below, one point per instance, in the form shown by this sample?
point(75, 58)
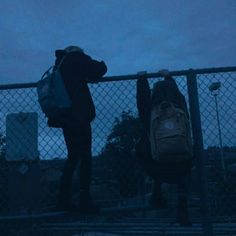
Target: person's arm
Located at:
point(143, 99)
point(166, 74)
point(95, 69)
point(82, 68)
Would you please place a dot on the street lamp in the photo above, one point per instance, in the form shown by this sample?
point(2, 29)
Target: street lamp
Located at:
point(214, 89)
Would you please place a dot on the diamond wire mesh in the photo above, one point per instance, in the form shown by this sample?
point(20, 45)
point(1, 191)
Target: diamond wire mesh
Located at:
point(220, 152)
point(111, 99)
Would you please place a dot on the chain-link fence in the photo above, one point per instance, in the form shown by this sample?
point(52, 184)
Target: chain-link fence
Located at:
point(217, 97)
point(32, 154)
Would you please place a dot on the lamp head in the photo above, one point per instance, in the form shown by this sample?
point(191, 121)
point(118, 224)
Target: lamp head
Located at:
point(214, 86)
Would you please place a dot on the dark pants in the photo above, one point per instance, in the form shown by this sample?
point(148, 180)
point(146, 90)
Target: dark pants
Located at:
point(78, 141)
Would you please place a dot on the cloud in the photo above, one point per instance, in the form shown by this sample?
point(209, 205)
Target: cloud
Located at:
point(128, 35)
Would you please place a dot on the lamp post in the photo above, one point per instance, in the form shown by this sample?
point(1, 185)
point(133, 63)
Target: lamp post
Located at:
point(214, 89)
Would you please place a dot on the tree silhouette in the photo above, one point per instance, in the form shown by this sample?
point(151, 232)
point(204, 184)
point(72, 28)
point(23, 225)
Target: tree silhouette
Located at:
point(118, 154)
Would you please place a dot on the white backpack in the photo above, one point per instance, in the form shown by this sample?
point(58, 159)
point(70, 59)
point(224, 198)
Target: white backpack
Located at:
point(170, 134)
point(52, 95)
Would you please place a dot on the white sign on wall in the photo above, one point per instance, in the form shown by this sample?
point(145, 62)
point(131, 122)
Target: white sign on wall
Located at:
point(22, 136)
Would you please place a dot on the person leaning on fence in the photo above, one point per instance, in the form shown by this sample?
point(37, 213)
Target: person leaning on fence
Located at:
point(77, 69)
point(175, 172)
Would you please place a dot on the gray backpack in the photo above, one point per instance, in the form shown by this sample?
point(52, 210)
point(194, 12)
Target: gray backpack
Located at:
point(170, 136)
point(52, 95)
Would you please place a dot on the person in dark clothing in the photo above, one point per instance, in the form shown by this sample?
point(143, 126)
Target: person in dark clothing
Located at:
point(177, 172)
point(77, 70)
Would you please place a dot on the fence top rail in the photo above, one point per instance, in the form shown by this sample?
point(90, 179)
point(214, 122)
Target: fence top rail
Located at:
point(134, 76)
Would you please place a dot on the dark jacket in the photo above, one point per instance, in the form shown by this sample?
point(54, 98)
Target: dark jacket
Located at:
point(77, 70)
point(166, 90)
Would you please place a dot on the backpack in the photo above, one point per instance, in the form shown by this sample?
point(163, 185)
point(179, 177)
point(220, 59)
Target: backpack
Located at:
point(170, 136)
point(52, 95)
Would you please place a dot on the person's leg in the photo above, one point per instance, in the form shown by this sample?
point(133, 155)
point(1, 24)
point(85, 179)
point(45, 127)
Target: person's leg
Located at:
point(85, 160)
point(182, 214)
point(157, 199)
point(86, 204)
point(152, 168)
point(71, 139)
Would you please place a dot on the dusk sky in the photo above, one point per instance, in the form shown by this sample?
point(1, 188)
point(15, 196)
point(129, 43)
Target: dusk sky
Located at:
point(129, 35)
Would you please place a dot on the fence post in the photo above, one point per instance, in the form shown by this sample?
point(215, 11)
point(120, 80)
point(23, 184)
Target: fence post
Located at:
point(199, 152)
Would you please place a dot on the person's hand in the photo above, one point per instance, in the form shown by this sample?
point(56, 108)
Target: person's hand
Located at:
point(164, 72)
point(141, 76)
point(141, 73)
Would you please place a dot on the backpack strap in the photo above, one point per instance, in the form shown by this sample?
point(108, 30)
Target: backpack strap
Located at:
point(46, 72)
point(52, 68)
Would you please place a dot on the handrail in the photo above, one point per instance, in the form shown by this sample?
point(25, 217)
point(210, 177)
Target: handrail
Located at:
point(134, 76)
